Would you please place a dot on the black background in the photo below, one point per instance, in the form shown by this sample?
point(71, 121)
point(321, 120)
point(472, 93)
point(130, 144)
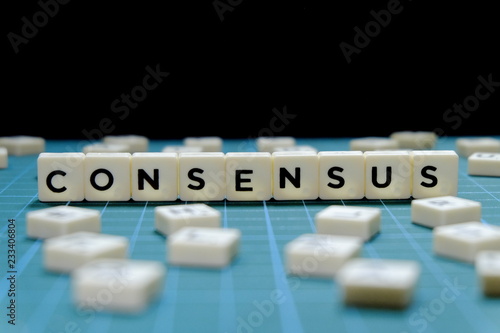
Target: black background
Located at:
point(230, 77)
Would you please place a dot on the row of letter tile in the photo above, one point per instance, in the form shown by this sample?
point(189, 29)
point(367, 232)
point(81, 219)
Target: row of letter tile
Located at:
point(252, 176)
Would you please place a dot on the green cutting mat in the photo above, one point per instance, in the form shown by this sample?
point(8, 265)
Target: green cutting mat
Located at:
point(253, 294)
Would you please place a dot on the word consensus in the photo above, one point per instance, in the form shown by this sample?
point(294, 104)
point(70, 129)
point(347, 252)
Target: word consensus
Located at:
point(252, 176)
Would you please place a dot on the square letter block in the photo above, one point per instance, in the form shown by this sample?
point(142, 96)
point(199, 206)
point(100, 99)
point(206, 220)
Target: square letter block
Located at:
point(202, 176)
point(4, 158)
point(207, 143)
point(249, 176)
point(468, 146)
point(107, 177)
point(386, 283)
point(484, 164)
point(341, 175)
point(169, 219)
point(21, 145)
point(61, 220)
point(320, 255)
point(433, 212)
point(269, 144)
point(61, 177)
point(295, 176)
point(415, 139)
point(203, 247)
point(64, 253)
point(388, 175)
point(463, 241)
point(488, 272)
point(117, 285)
point(363, 222)
point(135, 143)
point(373, 143)
point(154, 176)
point(435, 173)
